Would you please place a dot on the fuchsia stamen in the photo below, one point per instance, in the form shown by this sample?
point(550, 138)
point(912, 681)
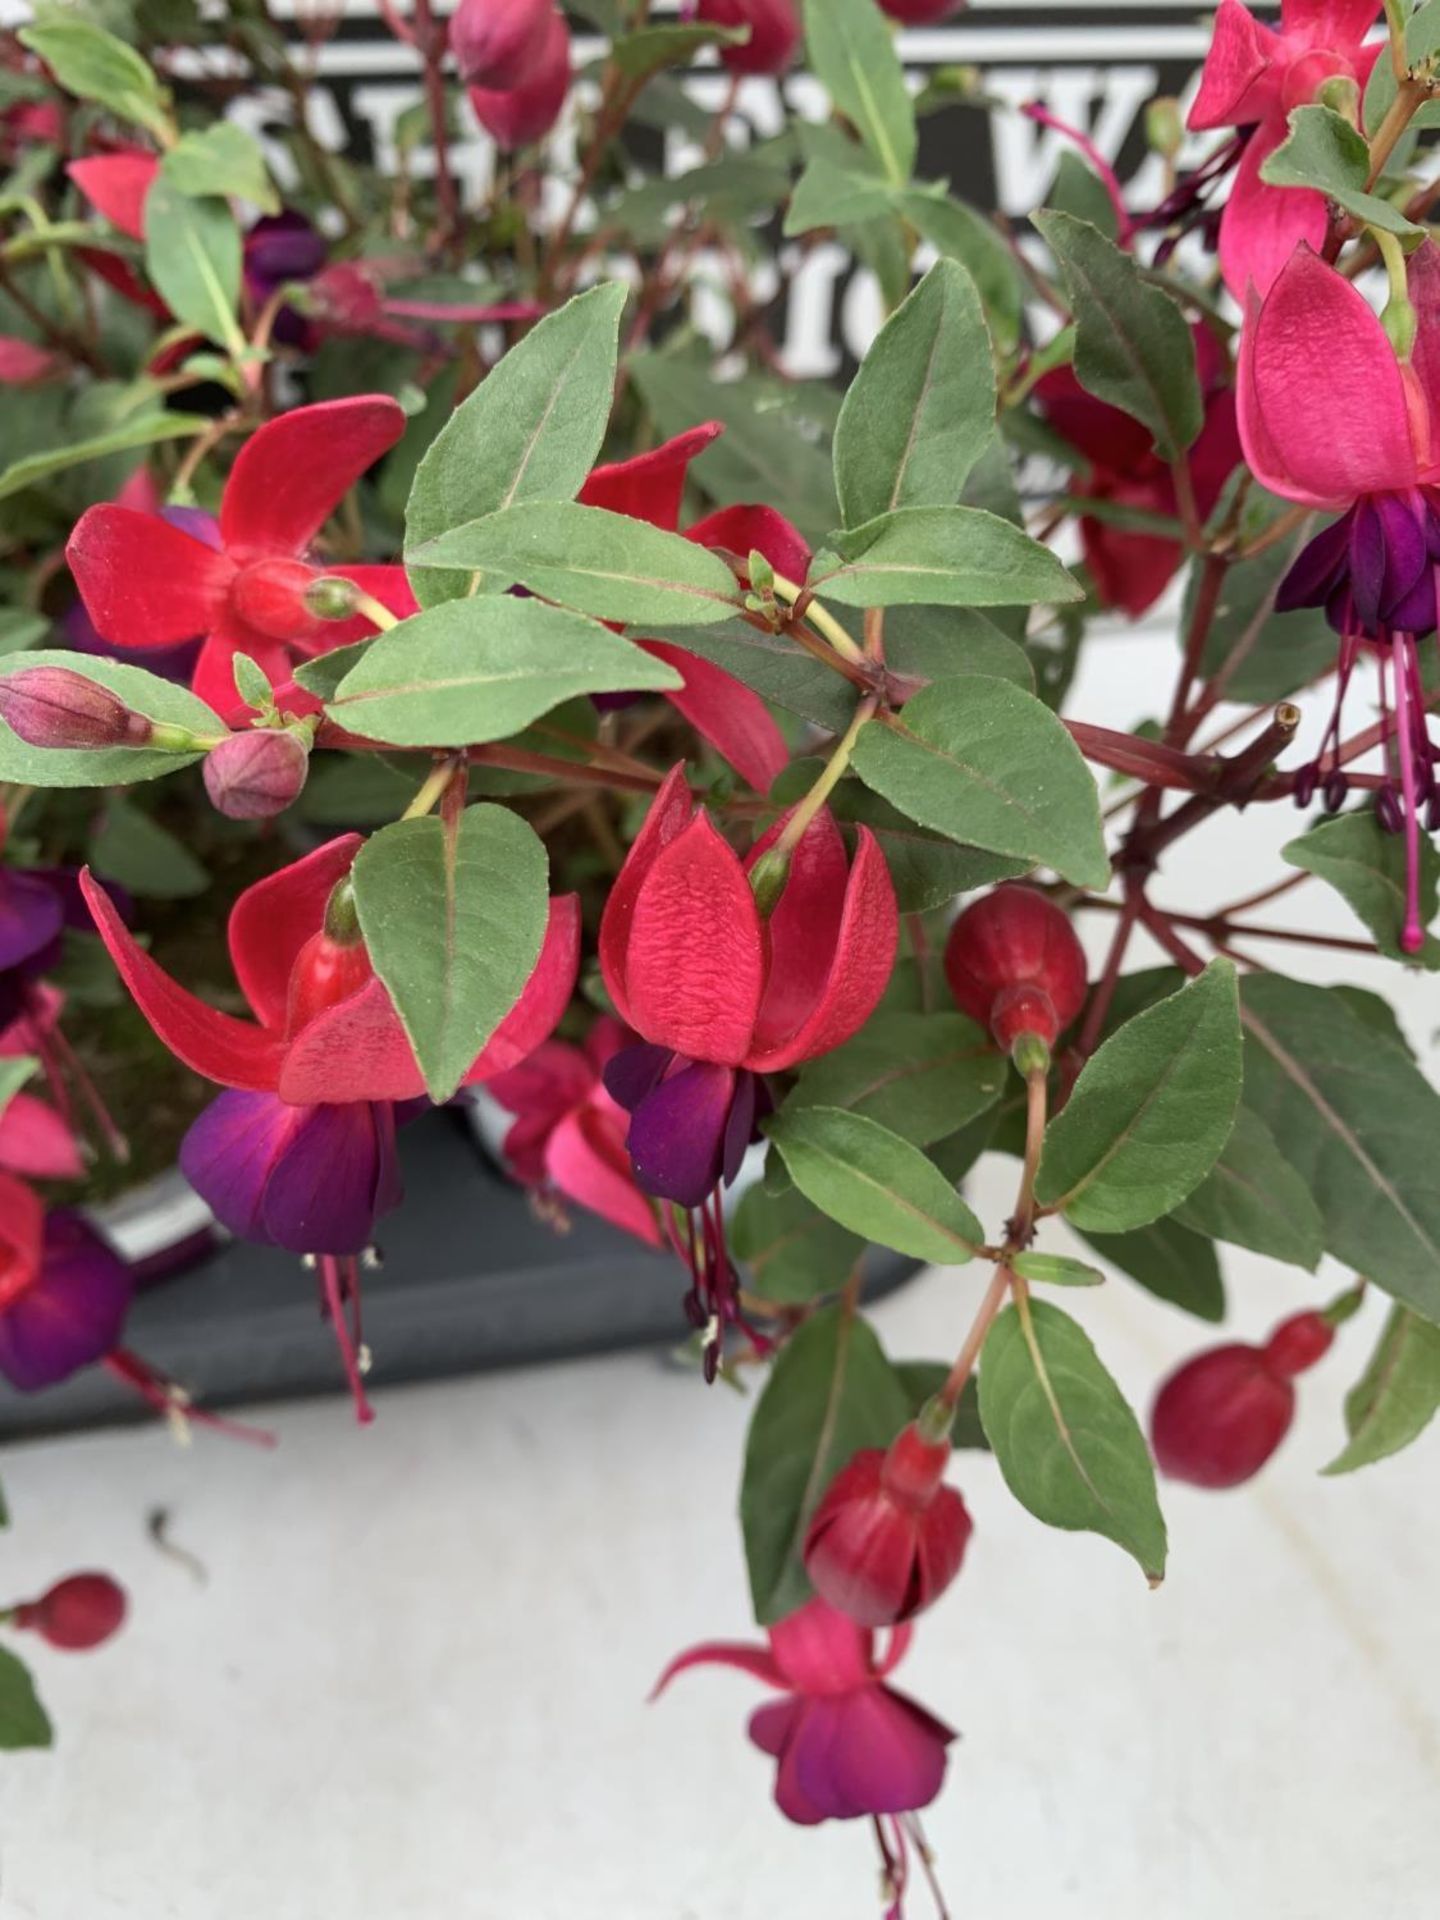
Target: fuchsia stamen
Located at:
point(174, 1402)
point(340, 1297)
point(1037, 111)
point(1412, 937)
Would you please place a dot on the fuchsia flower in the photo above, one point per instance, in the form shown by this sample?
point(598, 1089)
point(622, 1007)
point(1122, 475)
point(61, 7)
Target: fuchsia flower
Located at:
point(77, 1614)
point(147, 583)
point(497, 43)
point(300, 1151)
point(519, 115)
point(1255, 77)
point(721, 996)
point(848, 1745)
point(1217, 1419)
point(1131, 570)
point(651, 487)
point(568, 1135)
point(774, 32)
point(1331, 418)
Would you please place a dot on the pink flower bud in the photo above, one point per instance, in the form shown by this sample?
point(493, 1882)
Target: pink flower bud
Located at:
point(921, 13)
point(1015, 965)
point(1218, 1419)
point(499, 43)
point(252, 776)
point(76, 1614)
point(888, 1537)
point(519, 116)
point(774, 32)
point(53, 707)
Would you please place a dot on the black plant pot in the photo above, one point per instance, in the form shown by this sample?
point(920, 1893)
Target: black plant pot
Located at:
point(470, 1280)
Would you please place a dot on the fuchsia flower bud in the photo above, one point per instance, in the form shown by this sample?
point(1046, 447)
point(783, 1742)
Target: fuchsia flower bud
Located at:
point(53, 707)
point(23, 364)
point(888, 1537)
point(921, 13)
point(1220, 1417)
point(253, 776)
point(497, 43)
point(77, 1614)
point(518, 116)
point(774, 32)
point(1014, 964)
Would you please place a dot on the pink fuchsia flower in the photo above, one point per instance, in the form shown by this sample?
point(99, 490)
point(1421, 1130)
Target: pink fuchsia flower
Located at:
point(774, 32)
point(77, 1614)
point(519, 116)
point(146, 583)
point(1255, 77)
point(1329, 417)
point(848, 1745)
point(722, 709)
point(1131, 570)
point(568, 1134)
point(299, 1152)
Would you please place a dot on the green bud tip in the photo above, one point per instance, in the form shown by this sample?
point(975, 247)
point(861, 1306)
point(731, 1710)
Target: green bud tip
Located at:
point(1030, 1054)
point(768, 879)
point(935, 1420)
point(342, 916)
point(331, 598)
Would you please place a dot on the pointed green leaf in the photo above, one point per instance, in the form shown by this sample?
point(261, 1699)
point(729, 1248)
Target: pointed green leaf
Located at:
point(1168, 1260)
point(940, 557)
point(793, 1251)
point(221, 161)
point(1056, 1270)
point(960, 233)
point(1326, 154)
point(1366, 867)
point(922, 1075)
point(95, 65)
point(192, 258)
point(853, 55)
point(23, 1721)
point(14, 1072)
point(146, 430)
point(1396, 1397)
point(1254, 1198)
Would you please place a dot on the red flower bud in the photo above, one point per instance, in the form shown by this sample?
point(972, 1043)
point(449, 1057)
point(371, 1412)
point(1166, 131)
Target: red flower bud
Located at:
point(921, 13)
point(76, 1614)
point(497, 43)
point(774, 32)
point(253, 776)
point(1218, 1419)
point(519, 116)
point(1015, 965)
point(53, 707)
point(888, 1537)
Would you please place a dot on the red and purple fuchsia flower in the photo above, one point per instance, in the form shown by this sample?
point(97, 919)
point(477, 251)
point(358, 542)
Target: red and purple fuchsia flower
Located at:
point(722, 993)
point(299, 1152)
point(1332, 416)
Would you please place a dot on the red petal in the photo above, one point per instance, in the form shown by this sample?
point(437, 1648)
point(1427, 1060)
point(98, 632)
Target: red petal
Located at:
point(696, 961)
point(213, 680)
point(546, 995)
point(22, 1230)
point(735, 720)
point(1238, 82)
point(745, 530)
point(804, 929)
point(652, 485)
point(670, 813)
point(272, 920)
point(35, 1141)
point(144, 582)
point(1108, 438)
point(293, 473)
point(586, 1160)
point(864, 955)
point(357, 1050)
point(755, 1661)
point(232, 1052)
point(1263, 225)
point(116, 184)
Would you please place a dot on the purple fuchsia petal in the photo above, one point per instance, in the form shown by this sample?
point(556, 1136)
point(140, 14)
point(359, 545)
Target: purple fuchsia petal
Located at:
point(739, 1127)
point(677, 1133)
point(1321, 565)
point(633, 1073)
point(31, 916)
point(72, 1313)
point(890, 1753)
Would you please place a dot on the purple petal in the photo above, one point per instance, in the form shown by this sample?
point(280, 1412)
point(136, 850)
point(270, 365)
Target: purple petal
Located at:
point(740, 1127)
point(71, 1314)
point(1407, 559)
point(635, 1072)
point(31, 916)
point(1317, 569)
point(862, 1753)
point(677, 1134)
point(281, 247)
point(1367, 564)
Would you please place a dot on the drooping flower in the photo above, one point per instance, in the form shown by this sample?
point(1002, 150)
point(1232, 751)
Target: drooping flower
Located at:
point(721, 997)
point(147, 583)
point(1255, 77)
point(1130, 569)
point(847, 1744)
point(774, 32)
point(722, 709)
point(1015, 964)
point(1218, 1418)
point(1331, 418)
point(299, 1152)
point(520, 115)
point(77, 1614)
point(497, 43)
point(568, 1134)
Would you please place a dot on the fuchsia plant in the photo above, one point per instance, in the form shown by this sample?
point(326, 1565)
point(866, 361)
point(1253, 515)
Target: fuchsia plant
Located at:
point(448, 656)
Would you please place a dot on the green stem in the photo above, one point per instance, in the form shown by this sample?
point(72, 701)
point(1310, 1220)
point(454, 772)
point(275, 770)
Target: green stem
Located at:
point(835, 767)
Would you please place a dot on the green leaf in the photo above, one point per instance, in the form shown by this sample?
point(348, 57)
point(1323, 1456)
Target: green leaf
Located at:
point(143, 692)
point(454, 923)
point(1396, 1397)
point(1132, 344)
point(1056, 1270)
point(469, 671)
point(1324, 152)
point(221, 161)
point(923, 1379)
point(134, 850)
point(830, 1393)
point(876, 1184)
point(853, 55)
point(774, 666)
point(1078, 190)
point(794, 1252)
point(1254, 1198)
point(960, 233)
point(921, 1075)
point(1151, 1111)
point(922, 407)
point(638, 55)
point(15, 1070)
point(1359, 1122)
point(1366, 867)
point(992, 767)
point(531, 430)
point(1171, 1262)
point(937, 643)
point(602, 563)
point(940, 557)
point(827, 195)
point(147, 430)
point(23, 1721)
point(95, 65)
point(192, 258)
point(1067, 1443)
